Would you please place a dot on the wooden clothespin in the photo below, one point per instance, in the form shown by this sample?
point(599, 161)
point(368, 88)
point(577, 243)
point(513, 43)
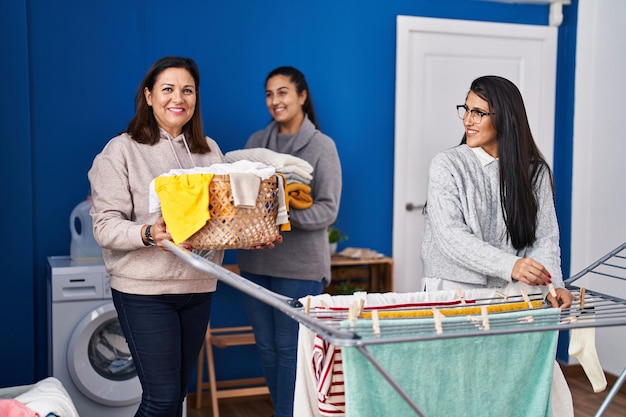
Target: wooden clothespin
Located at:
point(525, 295)
point(360, 309)
point(552, 290)
point(437, 316)
point(504, 296)
point(459, 294)
point(307, 306)
point(582, 297)
point(485, 315)
point(352, 314)
point(324, 305)
point(375, 323)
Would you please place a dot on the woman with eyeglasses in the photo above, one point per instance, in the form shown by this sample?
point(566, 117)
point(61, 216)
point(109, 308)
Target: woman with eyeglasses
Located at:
point(490, 218)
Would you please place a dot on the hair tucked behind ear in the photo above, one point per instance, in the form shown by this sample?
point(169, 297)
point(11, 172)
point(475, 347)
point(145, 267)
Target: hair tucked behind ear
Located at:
point(521, 163)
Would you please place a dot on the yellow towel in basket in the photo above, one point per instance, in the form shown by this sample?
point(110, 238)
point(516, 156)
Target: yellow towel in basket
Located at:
point(184, 203)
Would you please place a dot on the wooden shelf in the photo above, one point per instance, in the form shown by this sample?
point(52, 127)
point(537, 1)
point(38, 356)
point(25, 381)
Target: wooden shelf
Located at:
point(371, 275)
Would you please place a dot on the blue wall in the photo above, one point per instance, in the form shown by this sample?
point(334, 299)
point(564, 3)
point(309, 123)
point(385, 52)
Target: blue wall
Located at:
point(69, 73)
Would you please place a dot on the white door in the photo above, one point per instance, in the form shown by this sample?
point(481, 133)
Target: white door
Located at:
point(436, 61)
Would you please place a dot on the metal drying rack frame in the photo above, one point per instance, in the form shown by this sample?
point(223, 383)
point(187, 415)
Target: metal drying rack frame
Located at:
point(607, 311)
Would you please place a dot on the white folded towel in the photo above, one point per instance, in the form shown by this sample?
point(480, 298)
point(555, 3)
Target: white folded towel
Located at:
point(284, 163)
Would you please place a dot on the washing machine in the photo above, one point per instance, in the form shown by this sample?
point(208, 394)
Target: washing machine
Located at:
point(89, 354)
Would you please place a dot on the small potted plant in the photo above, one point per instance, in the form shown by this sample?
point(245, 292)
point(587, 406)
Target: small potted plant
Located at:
point(335, 236)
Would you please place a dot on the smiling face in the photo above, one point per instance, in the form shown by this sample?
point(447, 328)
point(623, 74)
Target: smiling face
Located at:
point(173, 99)
point(481, 134)
point(284, 103)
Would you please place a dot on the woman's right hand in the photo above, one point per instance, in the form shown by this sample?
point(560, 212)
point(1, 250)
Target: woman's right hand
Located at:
point(530, 272)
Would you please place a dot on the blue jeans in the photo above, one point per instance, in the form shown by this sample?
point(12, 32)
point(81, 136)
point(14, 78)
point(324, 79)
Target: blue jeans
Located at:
point(276, 337)
point(165, 334)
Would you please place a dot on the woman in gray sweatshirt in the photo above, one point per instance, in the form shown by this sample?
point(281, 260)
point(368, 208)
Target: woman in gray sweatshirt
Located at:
point(300, 266)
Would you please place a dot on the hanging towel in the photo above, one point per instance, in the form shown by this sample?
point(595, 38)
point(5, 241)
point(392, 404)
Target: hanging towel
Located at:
point(184, 203)
point(328, 373)
point(497, 375)
point(312, 397)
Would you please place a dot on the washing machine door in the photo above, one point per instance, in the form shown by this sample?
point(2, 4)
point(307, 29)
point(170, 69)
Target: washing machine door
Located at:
point(99, 360)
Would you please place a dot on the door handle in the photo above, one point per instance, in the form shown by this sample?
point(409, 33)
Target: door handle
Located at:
point(411, 206)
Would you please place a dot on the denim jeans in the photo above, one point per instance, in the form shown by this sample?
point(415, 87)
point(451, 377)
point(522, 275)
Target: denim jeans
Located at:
point(165, 334)
point(276, 337)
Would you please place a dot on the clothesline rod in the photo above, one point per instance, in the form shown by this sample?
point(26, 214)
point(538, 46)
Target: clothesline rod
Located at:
point(601, 295)
point(614, 253)
point(611, 395)
point(605, 274)
point(291, 307)
point(363, 350)
point(616, 265)
point(362, 341)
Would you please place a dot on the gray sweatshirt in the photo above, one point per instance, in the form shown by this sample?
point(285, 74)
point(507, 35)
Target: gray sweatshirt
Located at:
point(304, 253)
point(120, 178)
point(465, 236)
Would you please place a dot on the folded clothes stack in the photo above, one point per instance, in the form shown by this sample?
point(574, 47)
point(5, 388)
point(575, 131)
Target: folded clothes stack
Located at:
point(293, 168)
point(297, 172)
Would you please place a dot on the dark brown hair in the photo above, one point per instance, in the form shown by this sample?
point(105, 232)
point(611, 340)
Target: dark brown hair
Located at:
point(297, 77)
point(519, 158)
point(143, 127)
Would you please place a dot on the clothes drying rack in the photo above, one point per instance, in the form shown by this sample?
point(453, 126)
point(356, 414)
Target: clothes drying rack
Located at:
point(606, 310)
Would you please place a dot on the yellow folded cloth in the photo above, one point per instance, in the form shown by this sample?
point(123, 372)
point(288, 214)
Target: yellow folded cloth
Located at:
point(455, 311)
point(299, 195)
point(184, 203)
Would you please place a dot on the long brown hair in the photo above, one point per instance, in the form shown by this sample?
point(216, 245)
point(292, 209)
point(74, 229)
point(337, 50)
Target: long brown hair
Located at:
point(143, 127)
point(520, 160)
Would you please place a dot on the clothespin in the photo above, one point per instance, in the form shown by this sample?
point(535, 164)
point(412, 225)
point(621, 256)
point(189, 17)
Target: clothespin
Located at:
point(324, 305)
point(582, 297)
point(360, 309)
point(530, 305)
point(375, 323)
point(352, 314)
point(552, 290)
point(485, 315)
point(459, 294)
point(504, 296)
point(437, 316)
point(307, 307)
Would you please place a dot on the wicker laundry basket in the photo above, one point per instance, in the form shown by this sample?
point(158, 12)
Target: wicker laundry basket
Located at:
point(232, 227)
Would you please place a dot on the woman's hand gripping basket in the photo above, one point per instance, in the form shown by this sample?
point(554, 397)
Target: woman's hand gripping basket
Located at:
point(233, 227)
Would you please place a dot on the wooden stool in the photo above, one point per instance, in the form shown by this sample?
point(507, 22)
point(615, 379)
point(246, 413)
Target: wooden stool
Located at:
point(223, 338)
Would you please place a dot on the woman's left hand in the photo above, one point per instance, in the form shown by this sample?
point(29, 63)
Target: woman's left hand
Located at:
point(563, 298)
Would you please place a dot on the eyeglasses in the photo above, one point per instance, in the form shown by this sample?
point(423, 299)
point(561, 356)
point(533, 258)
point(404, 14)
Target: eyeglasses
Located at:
point(477, 116)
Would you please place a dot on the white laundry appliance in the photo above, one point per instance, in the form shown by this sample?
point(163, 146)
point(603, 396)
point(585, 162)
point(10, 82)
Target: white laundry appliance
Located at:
point(89, 354)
